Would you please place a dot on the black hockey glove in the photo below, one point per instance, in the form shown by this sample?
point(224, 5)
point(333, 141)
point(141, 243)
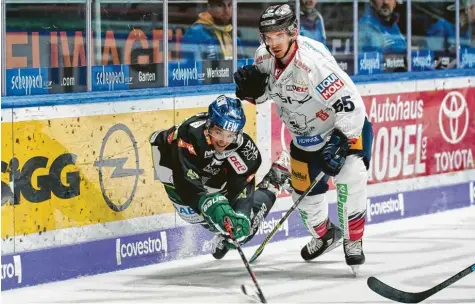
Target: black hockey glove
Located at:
point(250, 82)
point(333, 154)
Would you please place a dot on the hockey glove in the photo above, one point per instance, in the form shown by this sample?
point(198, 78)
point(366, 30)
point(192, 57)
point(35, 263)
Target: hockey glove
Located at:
point(333, 154)
point(216, 208)
point(250, 82)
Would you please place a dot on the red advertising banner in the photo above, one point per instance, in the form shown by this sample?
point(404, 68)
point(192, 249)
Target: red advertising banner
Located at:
point(415, 134)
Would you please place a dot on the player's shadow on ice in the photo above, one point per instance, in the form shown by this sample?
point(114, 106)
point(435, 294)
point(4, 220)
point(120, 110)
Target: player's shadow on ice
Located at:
point(228, 272)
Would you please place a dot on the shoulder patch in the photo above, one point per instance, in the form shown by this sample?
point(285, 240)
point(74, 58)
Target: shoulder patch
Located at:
point(197, 124)
point(302, 65)
point(154, 136)
point(237, 163)
point(188, 146)
point(261, 58)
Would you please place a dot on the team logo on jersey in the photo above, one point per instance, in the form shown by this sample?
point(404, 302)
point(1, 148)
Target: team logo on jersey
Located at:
point(293, 120)
point(329, 86)
point(237, 163)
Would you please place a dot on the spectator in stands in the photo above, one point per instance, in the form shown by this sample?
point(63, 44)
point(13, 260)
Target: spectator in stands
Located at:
point(430, 30)
point(467, 23)
point(311, 21)
point(378, 29)
point(210, 37)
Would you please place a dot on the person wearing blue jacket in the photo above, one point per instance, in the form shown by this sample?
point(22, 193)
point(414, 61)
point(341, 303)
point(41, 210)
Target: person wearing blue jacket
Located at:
point(378, 29)
point(467, 23)
point(210, 37)
point(311, 21)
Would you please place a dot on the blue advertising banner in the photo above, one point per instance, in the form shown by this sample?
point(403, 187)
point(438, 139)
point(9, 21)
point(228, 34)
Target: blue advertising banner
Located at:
point(27, 81)
point(370, 63)
point(35, 81)
point(183, 74)
point(467, 58)
point(110, 77)
point(190, 73)
point(423, 60)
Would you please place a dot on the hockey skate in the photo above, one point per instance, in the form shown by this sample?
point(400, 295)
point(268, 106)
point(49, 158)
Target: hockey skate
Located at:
point(278, 177)
point(218, 249)
point(316, 247)
point(354, 255)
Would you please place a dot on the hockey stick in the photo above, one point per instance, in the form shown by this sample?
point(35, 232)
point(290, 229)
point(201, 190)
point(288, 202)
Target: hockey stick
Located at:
point(227, 225)
point(414, 297)
point(284, 218)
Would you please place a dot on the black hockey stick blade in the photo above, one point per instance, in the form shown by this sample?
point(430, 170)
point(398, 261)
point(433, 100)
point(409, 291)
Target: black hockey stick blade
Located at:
point(414, 297)
point(250, 294)
point(260, 294)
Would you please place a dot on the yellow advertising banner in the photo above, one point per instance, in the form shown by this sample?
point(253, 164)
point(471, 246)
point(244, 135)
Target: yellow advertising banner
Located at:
point(71, 172)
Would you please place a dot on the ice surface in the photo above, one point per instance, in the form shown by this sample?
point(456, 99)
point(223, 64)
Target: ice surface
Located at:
point(411, 254)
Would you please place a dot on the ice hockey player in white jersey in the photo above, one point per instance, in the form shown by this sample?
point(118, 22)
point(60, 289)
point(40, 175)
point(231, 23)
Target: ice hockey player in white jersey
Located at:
point(325, 114)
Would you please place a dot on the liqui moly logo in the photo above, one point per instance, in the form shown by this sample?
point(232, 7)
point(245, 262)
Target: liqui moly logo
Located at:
point(390, 206)
point(329, 86)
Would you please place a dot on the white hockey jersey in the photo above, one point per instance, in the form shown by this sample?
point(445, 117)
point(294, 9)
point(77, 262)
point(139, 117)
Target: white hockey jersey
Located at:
point(312, 94)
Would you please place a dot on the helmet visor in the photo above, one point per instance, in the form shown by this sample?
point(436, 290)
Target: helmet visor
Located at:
point(224, 135)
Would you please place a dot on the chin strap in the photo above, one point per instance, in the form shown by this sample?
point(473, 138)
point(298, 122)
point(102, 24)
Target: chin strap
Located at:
point(286, 52)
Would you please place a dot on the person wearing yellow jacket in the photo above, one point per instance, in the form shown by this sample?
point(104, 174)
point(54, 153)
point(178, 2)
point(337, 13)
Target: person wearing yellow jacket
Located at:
point(210, 37)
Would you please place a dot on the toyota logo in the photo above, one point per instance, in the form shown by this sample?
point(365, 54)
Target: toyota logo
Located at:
point(453, 117)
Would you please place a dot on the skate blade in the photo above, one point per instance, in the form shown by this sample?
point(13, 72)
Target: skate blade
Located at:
point(355, 269)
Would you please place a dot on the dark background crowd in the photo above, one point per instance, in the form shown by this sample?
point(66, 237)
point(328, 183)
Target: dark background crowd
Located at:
point(45, 34)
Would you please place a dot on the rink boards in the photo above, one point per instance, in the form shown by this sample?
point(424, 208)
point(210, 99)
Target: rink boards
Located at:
point(84, 200)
